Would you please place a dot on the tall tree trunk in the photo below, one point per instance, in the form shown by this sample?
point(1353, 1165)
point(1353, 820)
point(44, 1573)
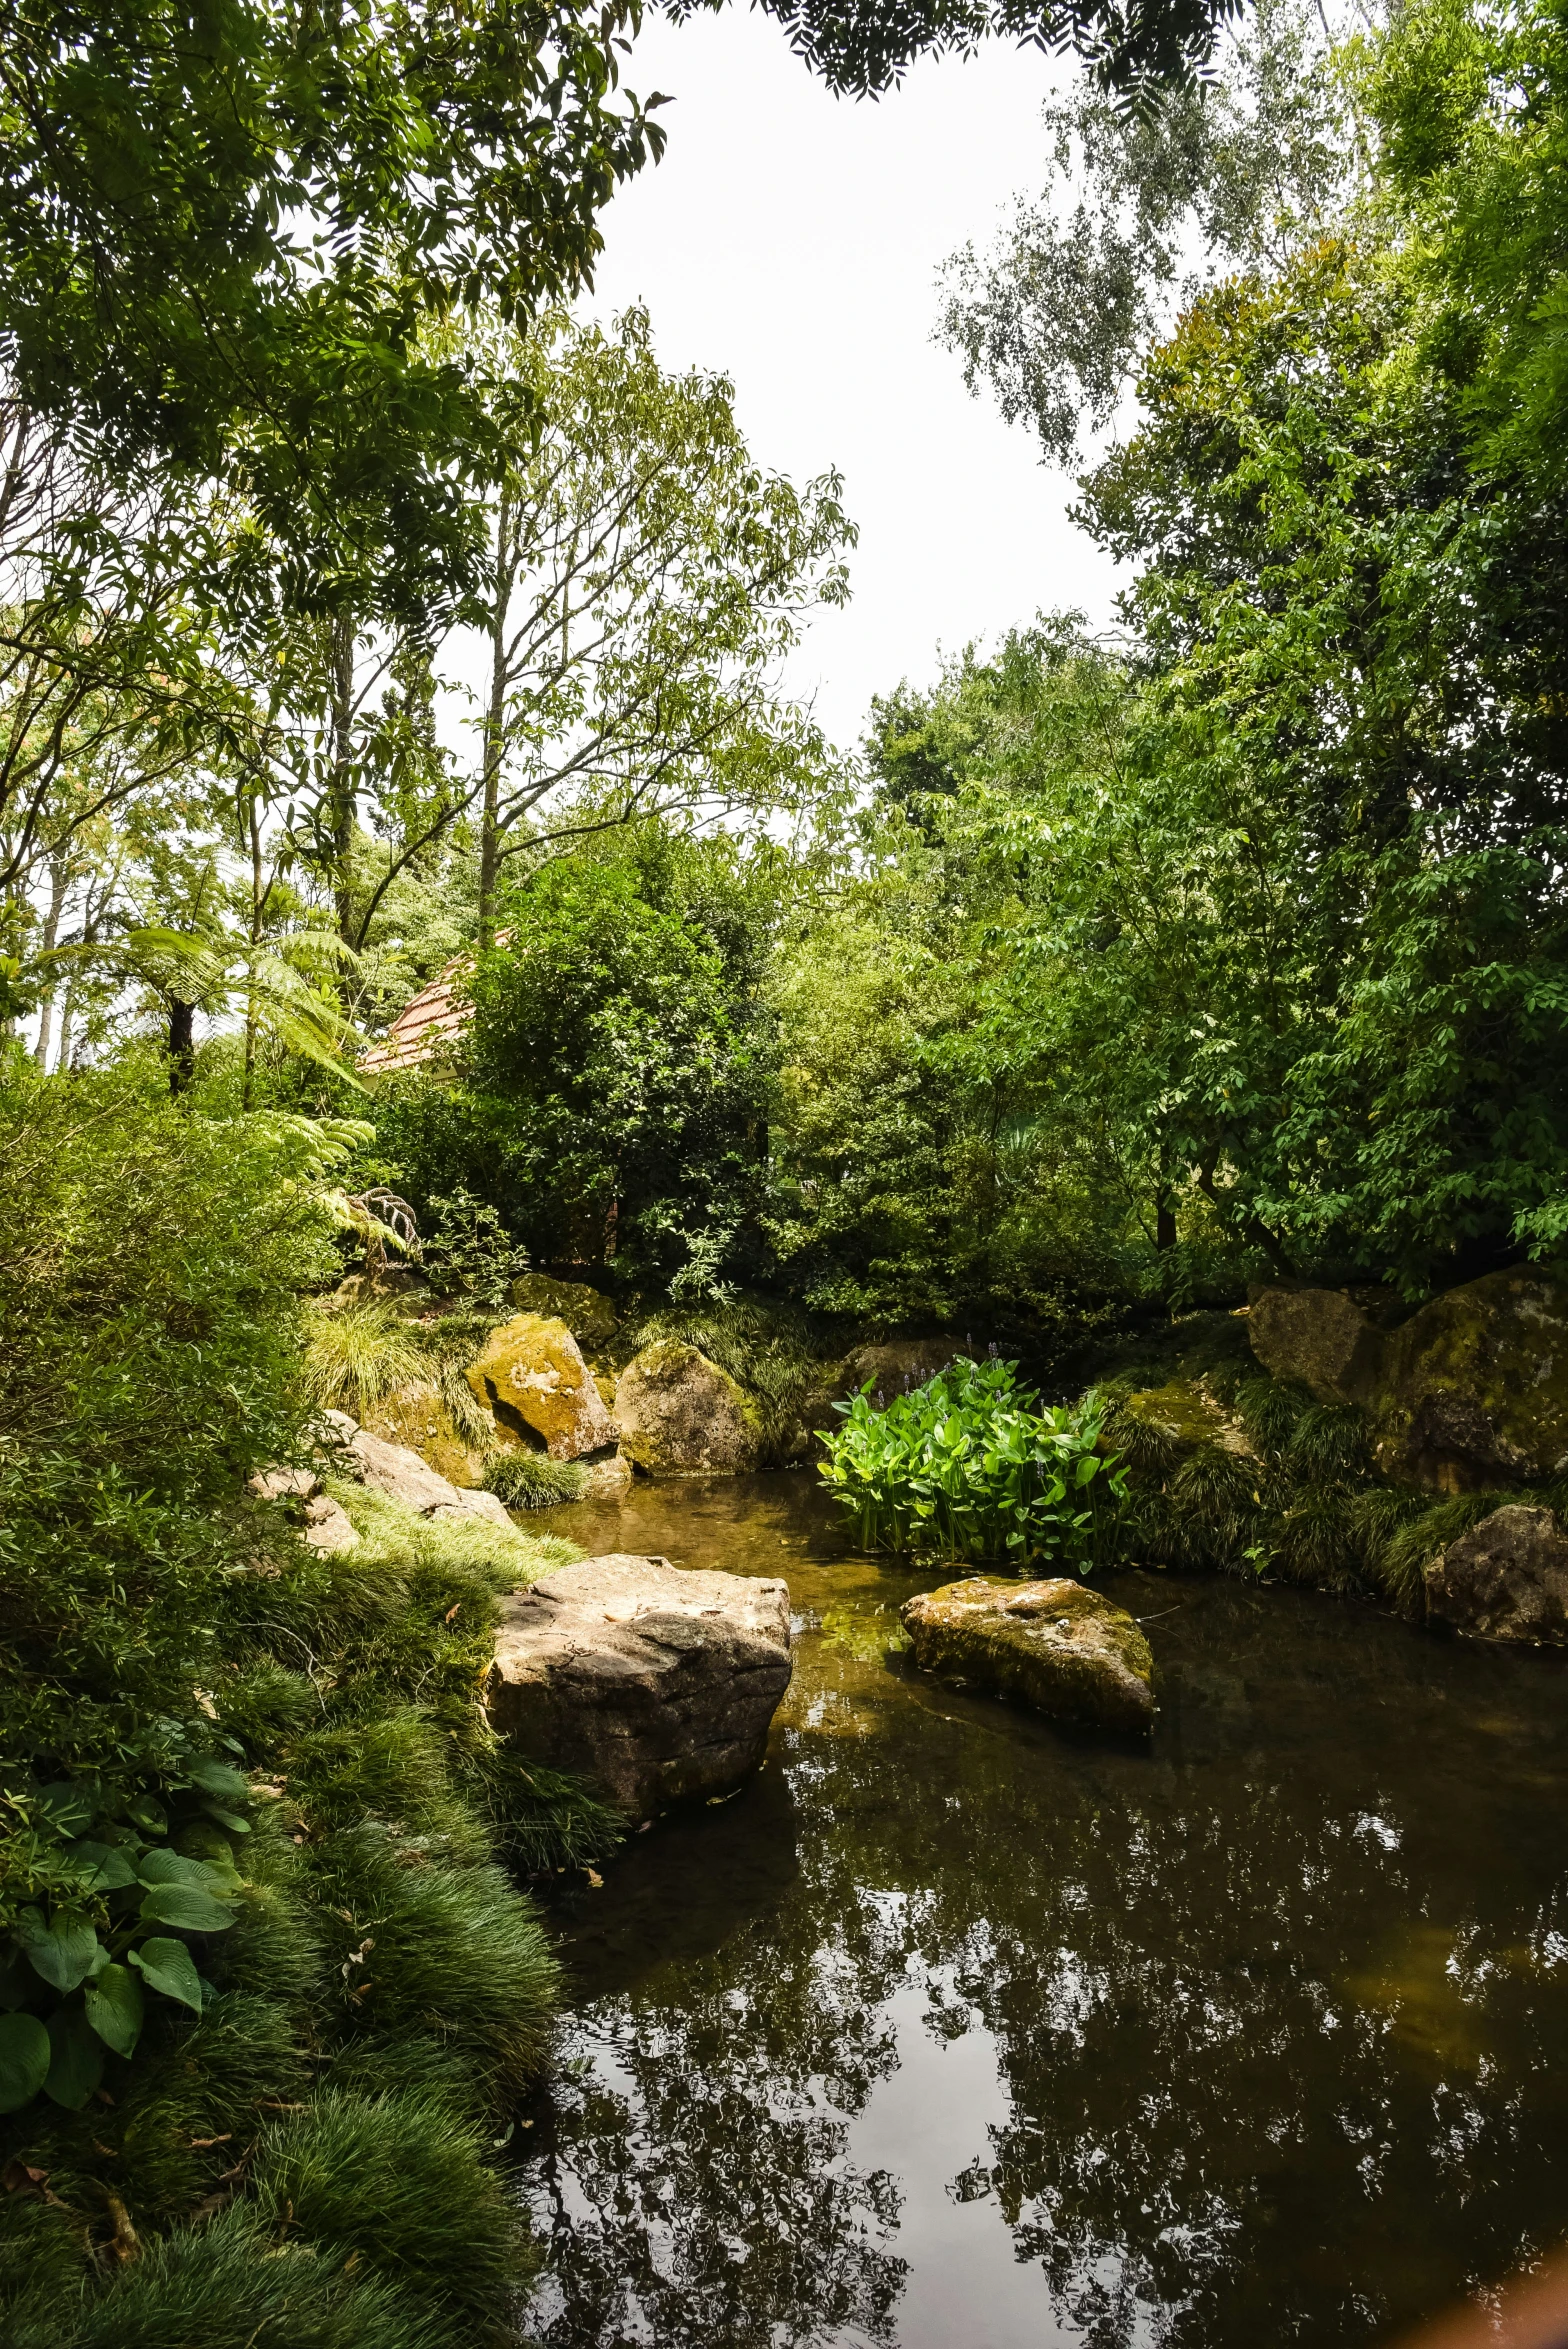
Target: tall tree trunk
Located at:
point(495, 716)
point(342, 797)
point(258, 903)
point(57, 888)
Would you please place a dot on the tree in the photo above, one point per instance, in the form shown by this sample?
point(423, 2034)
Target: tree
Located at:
point(1247, 162)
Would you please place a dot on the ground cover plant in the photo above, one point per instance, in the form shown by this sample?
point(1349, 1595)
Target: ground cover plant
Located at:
point(971, 1466)
point(267, 1984)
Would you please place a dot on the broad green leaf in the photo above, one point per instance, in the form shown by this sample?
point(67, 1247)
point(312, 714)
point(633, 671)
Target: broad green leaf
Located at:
point(218, 1778)
point(103, 1867)
point(168, 1966)
point(24, 2060)
point(75, 2058)
point(149, 1814)
point(187, 1907)
point(230, 1819)
point(113, 2004)
point(177, 1867)
point(62, 1951)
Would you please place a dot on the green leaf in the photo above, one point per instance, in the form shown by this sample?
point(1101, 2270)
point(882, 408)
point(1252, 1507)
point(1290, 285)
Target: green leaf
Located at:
point(113, 2004)
point(186, 1906)
point(177, 1867)
point(150, 1815)
point(230, 1819)
point(17, 1979)
point(168, 1966)
point(68, 1805)
point(63, 1951)
point(24, 2060)
point(75, 2058)
point(103, 1868)
point(219, 1778)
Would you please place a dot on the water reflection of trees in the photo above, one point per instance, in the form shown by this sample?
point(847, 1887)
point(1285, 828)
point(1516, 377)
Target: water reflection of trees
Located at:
point(1276, 2016)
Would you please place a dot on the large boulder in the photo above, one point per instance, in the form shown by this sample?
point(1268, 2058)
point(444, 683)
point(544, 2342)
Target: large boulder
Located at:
point(680, 1414)
point(895, 1367)
point(1320, 1338)
point(657, 1682)
point(1507, 1578)
point(1474, 1388)
point(1065, 1650)
point(590, 1316)
point(403, 1476)
point(533, 1377)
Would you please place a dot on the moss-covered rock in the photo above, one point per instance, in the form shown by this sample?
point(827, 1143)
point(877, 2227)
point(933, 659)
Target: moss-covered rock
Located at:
point(680, 1414)
point(1067, 1651)
point(532, 1375)
point(1321, 1339)
point(416, 1416)
point(1507, 1578)
point(1474, 1388)
point(1188, 1416)
point(588, 1314)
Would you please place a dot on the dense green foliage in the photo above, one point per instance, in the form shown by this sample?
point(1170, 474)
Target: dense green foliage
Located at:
point(972, 1466)
point(252, 1914)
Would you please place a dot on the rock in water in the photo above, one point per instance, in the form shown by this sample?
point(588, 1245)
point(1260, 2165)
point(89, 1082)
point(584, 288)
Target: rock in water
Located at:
point(531, 1371)
point(1507, 1578)
point(679, 1413)
point(1475, 1386)
point(1061, 1648)
point(657, 1682)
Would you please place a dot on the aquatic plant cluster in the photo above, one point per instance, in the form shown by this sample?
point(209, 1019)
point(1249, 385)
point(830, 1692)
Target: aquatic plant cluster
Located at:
point(973, 1466)
point(268, 1985)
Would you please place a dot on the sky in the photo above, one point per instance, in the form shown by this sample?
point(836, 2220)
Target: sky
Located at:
point(791, 240)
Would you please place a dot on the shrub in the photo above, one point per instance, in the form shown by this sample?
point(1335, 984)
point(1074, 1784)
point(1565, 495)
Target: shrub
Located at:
point(971, 1466)
point(357, 1354)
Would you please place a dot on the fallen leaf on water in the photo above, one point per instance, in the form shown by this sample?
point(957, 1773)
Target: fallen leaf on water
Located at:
point(596, 1881)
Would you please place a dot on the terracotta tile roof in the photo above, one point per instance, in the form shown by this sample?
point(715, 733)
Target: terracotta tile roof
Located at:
point(428, 1027)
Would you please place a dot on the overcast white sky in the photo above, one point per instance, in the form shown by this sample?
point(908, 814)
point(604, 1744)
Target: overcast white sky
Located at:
point(792, 239)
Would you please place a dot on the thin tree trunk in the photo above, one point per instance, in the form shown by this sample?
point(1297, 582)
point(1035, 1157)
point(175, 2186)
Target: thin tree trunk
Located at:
point(57, 889)
point(495, 718)
point(343, 797)
point(182, 1044)
point(257, 904)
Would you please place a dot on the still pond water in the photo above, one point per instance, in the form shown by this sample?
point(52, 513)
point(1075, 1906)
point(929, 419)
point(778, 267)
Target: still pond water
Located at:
point(951, 2031)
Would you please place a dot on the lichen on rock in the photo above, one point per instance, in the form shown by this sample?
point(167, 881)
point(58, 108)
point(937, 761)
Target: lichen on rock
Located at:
point(1321, 1339)
point(1067, 1651)
point(1188, 1416)
point(587, 1313)
point(1474, 1388)
point(680, 1414)
point(1507, 1578)
point(532, 1375)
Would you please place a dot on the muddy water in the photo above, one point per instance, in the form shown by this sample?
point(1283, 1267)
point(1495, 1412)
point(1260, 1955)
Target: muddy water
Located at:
point(954, 2032)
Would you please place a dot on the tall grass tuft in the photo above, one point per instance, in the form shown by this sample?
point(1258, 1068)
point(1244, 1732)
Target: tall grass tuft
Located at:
point(532, 1480)
point(357, 1354)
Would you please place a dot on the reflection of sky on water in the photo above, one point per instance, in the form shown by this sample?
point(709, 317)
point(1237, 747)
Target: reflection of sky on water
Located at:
point(952, 2033)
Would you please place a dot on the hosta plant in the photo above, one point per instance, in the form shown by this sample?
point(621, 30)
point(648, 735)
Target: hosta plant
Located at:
point(972, 1466)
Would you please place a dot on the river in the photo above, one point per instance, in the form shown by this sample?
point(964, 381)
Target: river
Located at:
point(953, 2031)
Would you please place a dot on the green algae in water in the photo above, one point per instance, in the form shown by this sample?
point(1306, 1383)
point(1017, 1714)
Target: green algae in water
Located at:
point(955, 2031)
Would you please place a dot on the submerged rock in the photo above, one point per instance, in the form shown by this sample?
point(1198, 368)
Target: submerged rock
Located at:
point(1474, 1387)
point(532, 1372)
point(1061, 1648)
point(679, 1413)
point(658, 1682)
point(1507, 1578)
point(1320, 1338)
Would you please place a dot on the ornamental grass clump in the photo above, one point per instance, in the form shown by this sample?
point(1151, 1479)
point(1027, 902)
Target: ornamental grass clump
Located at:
point(972, 1466)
